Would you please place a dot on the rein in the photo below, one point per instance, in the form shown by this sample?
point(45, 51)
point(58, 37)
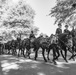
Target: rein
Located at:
point(63, 42)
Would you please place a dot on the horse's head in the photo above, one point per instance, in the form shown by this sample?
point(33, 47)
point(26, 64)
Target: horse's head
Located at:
point(53, 39)
point(70, 40)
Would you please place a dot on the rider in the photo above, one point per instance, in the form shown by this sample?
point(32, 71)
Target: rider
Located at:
point(59, 30)
point(73, 32)
point(18, 39)
point(66, 29)
point(32, 36)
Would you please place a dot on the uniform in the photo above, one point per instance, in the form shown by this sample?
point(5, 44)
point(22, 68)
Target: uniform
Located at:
point(18, 39)
point(73, 33)
point(58, 31)
point(32, 36)
point(66, 31)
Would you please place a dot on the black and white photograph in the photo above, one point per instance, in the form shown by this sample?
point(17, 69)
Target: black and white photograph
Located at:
point(37, 37)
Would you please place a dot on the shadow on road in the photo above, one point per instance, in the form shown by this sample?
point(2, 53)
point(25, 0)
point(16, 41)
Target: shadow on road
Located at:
point(11, 65)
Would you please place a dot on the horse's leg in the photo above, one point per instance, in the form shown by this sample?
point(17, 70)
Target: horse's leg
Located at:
point(58, 53)
point(36, 54)
point(0, 50)
point(72, 51)
point(28, 52)
point(48, 54)
point(15, 51)
point(8, 50)
point(72, 57)
point(23, 52)
point(43, 53)
point(62, 54)
point(54, 56)
point(66, 55)
point(19, 52)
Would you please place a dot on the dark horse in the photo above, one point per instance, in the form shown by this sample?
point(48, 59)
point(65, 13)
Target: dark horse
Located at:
point(37, 43)
point(64, 43)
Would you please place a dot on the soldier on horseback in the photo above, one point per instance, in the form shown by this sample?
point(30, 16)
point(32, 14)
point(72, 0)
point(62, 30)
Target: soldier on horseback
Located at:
point(66, 29)
point(18, 39)
point(32, 36)
point(59, 30)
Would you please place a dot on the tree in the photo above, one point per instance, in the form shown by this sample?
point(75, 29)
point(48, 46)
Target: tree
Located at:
point(64, 12)
point(19, 18)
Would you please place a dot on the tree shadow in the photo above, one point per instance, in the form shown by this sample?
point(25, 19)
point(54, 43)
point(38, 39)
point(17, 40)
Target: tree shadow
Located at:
point(12, 65)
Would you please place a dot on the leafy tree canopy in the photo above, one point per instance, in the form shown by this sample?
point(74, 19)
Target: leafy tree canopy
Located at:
point(17, 18)
point(64, 12)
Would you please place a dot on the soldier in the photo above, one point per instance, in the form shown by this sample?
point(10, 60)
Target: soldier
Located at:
point(32, 36)
point(73, 32)
point(66, 29)
point(18, 39)
point(59, 30)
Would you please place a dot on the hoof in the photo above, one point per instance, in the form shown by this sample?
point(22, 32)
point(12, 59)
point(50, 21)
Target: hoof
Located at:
point(34, 50)
point(18, 55)
point(57, 59)
point(29, 58)
point(51, 61)
point(45, 60)
point(66, 61)
point(48, 59)
point(24, 56)
point(73, 59)
point(35, 59)
point(69, 59)
point(55, 63)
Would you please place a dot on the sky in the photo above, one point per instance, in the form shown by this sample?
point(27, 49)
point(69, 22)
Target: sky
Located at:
point(42, 9)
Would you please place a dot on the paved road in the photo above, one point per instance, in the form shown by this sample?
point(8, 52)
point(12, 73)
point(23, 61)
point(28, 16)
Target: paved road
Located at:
point(12, 65)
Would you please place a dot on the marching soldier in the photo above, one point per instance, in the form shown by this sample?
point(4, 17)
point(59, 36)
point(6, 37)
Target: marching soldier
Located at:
point(59, 30)
point(66, 29)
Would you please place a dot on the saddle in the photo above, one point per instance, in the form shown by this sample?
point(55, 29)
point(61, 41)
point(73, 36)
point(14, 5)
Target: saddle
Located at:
point(32, 40)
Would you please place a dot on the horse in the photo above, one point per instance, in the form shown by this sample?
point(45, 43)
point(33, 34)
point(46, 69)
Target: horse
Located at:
point(74, 47)
point(36, 44)
point(54, 47)
point(66, 44)
point(7, 46)
point(1, 48)
point(63, 42)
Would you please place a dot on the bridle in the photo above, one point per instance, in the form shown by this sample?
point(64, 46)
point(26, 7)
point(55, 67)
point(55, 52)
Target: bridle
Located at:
point(64, 42)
